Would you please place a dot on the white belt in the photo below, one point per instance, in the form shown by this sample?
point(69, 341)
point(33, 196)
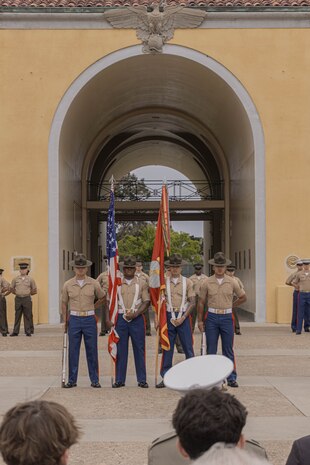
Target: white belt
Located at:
point(220, 311)
point(87, 313)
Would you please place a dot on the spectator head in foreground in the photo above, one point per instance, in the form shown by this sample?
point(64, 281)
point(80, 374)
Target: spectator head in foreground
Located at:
point(221, 453)
point(37, 433)
point(205, 417)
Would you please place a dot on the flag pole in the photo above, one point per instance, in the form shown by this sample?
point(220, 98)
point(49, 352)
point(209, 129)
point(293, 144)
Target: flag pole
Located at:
point(157, 338)
point(112, 361)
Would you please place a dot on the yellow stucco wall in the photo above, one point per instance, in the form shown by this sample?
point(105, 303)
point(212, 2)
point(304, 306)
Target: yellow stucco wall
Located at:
point(38, 66)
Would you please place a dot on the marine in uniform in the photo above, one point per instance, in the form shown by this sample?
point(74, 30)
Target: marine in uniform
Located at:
point(219, 289)
point(197, 279)
point(141, 275)
point(103, 280)
point(301, 282)
point(180, 300)
point(166, 448)
point(133, 300)
point(289, 280)
point(4, 291)
point(23, 286)
point(230, 271)
point(78, 308)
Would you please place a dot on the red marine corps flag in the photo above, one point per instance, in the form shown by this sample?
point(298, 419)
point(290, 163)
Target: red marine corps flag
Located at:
point(113, 274)
point(157, 270)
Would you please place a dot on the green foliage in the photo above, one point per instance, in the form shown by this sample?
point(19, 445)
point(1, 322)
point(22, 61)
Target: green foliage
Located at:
point(142, 244)
point(183, 243)
point(130, 188)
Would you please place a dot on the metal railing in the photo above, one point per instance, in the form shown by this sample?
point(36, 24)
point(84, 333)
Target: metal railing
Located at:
point(151, 190)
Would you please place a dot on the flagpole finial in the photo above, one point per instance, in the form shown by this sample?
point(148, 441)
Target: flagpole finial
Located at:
point(111, 181)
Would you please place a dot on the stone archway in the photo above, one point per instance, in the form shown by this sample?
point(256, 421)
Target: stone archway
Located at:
point(187, 91)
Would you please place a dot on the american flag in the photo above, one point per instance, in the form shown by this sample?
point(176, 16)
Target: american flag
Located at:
point(113, 274)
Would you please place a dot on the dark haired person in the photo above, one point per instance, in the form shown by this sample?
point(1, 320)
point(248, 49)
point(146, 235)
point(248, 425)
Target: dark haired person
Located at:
point(202, 418)
point(133, 300)
point(300, 452)
point(37, 433)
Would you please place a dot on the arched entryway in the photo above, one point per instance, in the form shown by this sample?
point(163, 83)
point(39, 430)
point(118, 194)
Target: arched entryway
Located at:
point(181, 108)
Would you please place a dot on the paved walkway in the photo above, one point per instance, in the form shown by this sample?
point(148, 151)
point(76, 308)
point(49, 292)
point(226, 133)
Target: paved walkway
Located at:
point(274, 377)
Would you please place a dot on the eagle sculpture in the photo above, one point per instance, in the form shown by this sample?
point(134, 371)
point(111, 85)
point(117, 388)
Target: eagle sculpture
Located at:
point(155, 25)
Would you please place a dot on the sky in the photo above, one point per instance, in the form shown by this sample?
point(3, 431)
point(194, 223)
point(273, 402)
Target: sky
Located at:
point(155, 172)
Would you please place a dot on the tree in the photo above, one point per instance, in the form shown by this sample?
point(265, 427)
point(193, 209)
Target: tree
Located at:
point(142, 244)
point(129, 187)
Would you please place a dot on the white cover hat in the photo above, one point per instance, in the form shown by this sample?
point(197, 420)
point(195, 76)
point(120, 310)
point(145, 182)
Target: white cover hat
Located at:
point(205, 371)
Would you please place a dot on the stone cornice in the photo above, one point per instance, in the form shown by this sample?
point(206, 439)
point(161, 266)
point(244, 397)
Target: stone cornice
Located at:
point(49, 19)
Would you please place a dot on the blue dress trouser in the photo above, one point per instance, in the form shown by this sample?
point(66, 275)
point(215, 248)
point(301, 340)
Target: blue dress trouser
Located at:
point(294, 312)
point(85, 326)
point(217, 325)
point(303, 311)
point(184, 331)
point(135, 329)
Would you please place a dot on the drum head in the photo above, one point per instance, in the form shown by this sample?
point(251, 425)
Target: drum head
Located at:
point(204, 371)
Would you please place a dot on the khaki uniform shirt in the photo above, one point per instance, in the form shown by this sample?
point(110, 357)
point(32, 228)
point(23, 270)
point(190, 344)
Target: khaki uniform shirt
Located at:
point(81, 299)
point(23, 285)
point(143, 276)
point(220, 296)
point(197, 281)
point(291, 278)
point(103, 280)
point(164, 451)
point(302, 278)
point(4, 285)
point(128, 291)
point(177, 291)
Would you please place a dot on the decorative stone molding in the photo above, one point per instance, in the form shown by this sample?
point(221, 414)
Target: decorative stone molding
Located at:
point(155, 25)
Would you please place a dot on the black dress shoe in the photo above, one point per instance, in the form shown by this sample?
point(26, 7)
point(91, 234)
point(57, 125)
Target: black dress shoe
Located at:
point(96, 385)
point(28, 334)
point(180, 350)
point(118, 384)
point(102, 333)
point(4, 334)
point(160, 385)
point(148, 333)
point(143, 384)
point(13, 335)
point(298, 333)
point(69, 385)
point(232, 384)
point(307, 330)
point(238, 333)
